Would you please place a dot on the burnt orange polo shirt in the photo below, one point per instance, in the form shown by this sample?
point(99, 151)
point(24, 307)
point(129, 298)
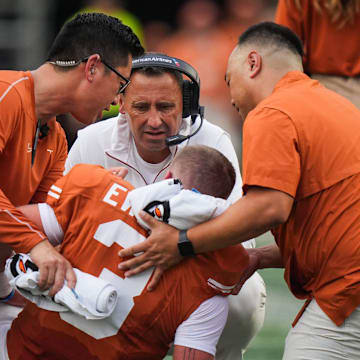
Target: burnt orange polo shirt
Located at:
point(328, 48)
point(21, 183)
point(304, 140)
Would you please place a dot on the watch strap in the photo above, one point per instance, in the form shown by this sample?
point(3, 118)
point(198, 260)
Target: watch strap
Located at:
point(185, 246)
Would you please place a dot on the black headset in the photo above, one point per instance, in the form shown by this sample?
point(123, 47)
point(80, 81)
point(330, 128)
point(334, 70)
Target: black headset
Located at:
point(190, 90)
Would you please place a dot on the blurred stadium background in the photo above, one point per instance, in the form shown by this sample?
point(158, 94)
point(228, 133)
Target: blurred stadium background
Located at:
point(27, 28)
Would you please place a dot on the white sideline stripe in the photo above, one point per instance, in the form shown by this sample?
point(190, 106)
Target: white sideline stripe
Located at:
point(217, 286)
point(54, 195)
point(218, 289)
point(11, 86)
point(221, 286)
point(56, 188)
point(24, 223)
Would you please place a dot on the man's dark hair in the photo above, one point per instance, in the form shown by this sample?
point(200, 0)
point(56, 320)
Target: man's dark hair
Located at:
point(205, 169)
point(95, 33)
point(269, 33)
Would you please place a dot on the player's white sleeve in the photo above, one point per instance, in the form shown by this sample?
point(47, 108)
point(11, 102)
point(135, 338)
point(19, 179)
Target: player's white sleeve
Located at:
point(202, 329)
point(50, 224)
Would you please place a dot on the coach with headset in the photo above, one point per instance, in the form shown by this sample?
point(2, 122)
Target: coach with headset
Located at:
point(159, 114)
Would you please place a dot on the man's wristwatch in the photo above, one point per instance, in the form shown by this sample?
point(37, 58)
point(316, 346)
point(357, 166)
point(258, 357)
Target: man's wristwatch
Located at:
point(185, 246)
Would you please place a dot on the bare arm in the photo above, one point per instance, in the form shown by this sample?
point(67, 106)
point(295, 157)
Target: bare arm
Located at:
point(185, 353)
point(32, 213)
point(269, 257)
point(260, 258)
point(254, 214)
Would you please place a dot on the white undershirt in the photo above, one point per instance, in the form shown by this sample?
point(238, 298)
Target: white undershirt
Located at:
point(148, 170)
point(201, 330)
point(50, 224)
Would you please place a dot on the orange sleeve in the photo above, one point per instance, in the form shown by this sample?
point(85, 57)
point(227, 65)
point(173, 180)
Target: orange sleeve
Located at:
point(270, 151)
point(10, 110)
point(54, 173)
point(15, 229)
point(287, 14)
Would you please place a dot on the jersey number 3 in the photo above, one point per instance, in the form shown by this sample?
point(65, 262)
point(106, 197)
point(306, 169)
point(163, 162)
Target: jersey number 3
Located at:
point(124, 235)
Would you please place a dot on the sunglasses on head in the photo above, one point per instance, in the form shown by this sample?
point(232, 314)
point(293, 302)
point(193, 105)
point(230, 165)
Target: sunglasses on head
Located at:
point(70, 63)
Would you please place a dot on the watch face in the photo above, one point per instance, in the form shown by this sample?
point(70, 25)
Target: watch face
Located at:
point(185, 245)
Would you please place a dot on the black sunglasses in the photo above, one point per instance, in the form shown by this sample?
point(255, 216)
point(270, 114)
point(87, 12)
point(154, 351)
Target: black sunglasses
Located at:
point(66, 63)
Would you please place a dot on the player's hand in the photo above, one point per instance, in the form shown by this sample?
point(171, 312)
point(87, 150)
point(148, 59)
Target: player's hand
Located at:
point(119, 171)
point(53, 268)
point(159, 250)
point(254, 261)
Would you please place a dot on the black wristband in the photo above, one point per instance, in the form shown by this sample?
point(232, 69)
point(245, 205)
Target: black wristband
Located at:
point(185, 246)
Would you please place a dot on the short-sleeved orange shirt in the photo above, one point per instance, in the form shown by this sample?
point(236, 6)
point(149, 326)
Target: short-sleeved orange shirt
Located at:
point(304, 140)
point(21, 183)
point(90, 205)
point(328, 49)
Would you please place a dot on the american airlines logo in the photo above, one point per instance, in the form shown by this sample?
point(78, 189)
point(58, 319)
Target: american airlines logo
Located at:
point(153, 58)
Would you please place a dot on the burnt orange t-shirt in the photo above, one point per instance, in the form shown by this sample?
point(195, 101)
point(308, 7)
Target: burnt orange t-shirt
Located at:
point(21, 183)
point(90, 205)
point(304, 140)
point(328, 48)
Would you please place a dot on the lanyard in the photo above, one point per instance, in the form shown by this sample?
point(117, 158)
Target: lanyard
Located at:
point(33, 151)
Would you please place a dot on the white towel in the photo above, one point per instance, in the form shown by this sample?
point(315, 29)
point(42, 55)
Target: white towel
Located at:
point(92, 298)
point(167, 201)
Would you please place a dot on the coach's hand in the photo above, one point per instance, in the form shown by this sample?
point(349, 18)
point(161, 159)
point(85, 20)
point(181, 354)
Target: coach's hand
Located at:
point(118, 171)
point(53, 268)
point(254, 262)
point(159, 250)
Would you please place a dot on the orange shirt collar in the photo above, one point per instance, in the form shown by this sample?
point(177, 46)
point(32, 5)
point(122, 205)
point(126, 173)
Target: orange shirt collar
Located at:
point(289, 79)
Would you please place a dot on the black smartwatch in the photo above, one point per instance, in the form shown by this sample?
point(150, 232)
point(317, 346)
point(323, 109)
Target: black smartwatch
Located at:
point(185, 246)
